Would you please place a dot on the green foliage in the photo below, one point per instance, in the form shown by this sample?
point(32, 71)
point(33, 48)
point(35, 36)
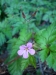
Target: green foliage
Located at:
point(23, 38)
point(25, 35)
point(2, 39)
point(51, 58)
point(44, 54)
point(15, 67)
point(18, 66)
point(5, 33)
point(46, 36)
point(28, 20)
point(32, 61)
point(50, 16)
point(46, 40)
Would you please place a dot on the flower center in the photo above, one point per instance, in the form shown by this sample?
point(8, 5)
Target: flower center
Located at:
point(26, 48)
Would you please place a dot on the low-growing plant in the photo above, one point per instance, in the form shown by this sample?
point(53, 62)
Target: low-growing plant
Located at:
point(29, 29)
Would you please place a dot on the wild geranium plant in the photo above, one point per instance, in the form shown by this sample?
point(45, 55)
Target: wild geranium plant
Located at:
point(24, 50)
point(28, 30)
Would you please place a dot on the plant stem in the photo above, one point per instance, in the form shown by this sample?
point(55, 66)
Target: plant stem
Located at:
point(13, 60)
point(40, 65)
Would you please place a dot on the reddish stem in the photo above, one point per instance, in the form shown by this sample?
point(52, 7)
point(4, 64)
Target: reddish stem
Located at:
point(13, 60)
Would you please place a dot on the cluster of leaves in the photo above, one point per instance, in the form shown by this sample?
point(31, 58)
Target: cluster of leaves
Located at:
point(5, 34)
point(21, 22)
point(46, 40)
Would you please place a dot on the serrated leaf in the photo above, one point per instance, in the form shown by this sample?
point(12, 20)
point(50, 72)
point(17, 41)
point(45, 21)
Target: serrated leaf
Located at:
point(43, 54)
point(32, 61)
point(7, 32)
point(46, 36)
point(15, 30)
point(25, 35)
point(15, 67)
point(23, 38)
point(15, 48)
point(53, 47)
point(50, 60)
point(24, 63)
point(54, 65)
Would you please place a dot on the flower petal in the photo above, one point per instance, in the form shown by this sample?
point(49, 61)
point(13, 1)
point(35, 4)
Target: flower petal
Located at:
point(22, 47)
point(29, 45)
point(20, 52)
point(25, 54)
point(31, 51)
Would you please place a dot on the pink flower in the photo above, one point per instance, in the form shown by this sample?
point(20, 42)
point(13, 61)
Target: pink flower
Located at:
point(25, 50)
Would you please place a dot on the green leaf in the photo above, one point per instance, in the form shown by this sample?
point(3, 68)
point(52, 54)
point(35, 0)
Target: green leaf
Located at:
point(7, 32)
point(54, 65)
point(43, 54)
point(50, 60)
point(23, 38)
point(2, 39)
point(18, 66)
point(53, 47)
point(52, 56)
point(46, 36)
point(15, 30)
point(24, 63)
point(32, 61)
point(25, 35)
point(15, 67)
point(15, 48)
